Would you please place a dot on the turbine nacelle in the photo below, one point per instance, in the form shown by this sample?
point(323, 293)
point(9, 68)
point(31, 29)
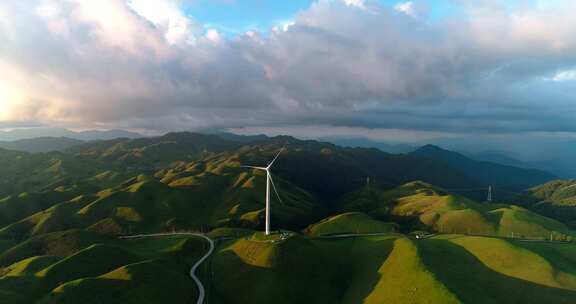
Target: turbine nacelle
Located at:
point(257, 168)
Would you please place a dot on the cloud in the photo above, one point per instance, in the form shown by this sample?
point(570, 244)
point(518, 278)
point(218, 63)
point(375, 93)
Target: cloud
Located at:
point(566, 75)
point(356, 3)
point(407, 8)
point(168, 17)
point(146, 64)
point(213, 35)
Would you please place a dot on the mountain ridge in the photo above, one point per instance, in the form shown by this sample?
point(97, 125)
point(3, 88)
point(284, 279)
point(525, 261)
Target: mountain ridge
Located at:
point(487, 173)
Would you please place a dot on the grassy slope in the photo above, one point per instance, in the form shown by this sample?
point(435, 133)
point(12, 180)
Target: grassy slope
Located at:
point(418, 205)
point(290, 271)
point(394, 269)
point(559, 192)
point(556, 199)
point(488, 270)
point(351, 222)
point(133, 269)
point(404, 279)
point(383, 269)
point(29, 266)
point(516, 261)
point(183, 197)
point(144, 282)
point(216, 192)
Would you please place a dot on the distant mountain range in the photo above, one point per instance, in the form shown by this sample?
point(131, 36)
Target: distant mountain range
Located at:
point(564, 167)
point(154, 152)
point(499, 158)
point(28, 133)
point(41, 144)
point(367, 143)
point(321, 168)
point(55, 139)
point(487, 173)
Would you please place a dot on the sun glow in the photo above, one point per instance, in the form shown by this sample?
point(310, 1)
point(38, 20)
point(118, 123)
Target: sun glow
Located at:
point(8, 98)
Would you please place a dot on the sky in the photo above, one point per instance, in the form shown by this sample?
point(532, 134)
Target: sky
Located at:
point(500, 74)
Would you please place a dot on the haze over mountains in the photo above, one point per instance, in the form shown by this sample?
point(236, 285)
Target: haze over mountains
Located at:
point(42, 139)
point(29, 133)
point(55, 139)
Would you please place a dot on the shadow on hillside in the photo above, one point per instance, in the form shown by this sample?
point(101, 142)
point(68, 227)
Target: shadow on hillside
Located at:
point(291, 279)
point(23, 286)
point(358, 261)
point(468, 278)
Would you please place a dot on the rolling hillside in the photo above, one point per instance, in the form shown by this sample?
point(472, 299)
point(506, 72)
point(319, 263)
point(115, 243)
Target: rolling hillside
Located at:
point(556, 199)
point(394, 269)
point(61, 214)
point(151, 153)
point(37, 172)
point(193, 181)
point(559, 192)
point(92, 268)
point(349, 223)
point(419, 205)
point(388, 268)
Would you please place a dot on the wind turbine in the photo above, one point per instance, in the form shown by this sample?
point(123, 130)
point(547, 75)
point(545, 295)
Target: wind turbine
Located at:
point(269, 181)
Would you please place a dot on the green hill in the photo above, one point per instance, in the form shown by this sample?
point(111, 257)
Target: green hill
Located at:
point(144, 282)
point(189, 196)
point(61, 214)
point(258, 271)
point(419, 205)
point(101, 269)
point(36, 172)
point(349, 223)
point(61, 244)
point(185, 174)
point(559, 192)
point(393, 269)
point(556, 199)
point(29, 266)
point(149, 153)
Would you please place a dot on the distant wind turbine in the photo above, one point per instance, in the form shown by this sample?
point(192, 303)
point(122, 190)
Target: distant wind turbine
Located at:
point(269, 181)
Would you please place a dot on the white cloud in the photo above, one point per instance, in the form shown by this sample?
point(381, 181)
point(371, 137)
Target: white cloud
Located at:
point(108, 62)
point(48, 9)
point(213, 35)
point(167, 16)
point(567, 75)
point(286, 25)
point(356, 3)
point(407, 8)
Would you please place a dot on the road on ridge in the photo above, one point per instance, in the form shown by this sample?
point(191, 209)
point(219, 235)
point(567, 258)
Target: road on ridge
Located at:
point(201, 290)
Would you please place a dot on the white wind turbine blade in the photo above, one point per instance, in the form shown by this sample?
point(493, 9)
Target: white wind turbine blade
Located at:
point(274, 187)
point(272, 162)
point(252, 167)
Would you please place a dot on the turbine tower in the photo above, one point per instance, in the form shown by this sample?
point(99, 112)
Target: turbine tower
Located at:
point(269, 181)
